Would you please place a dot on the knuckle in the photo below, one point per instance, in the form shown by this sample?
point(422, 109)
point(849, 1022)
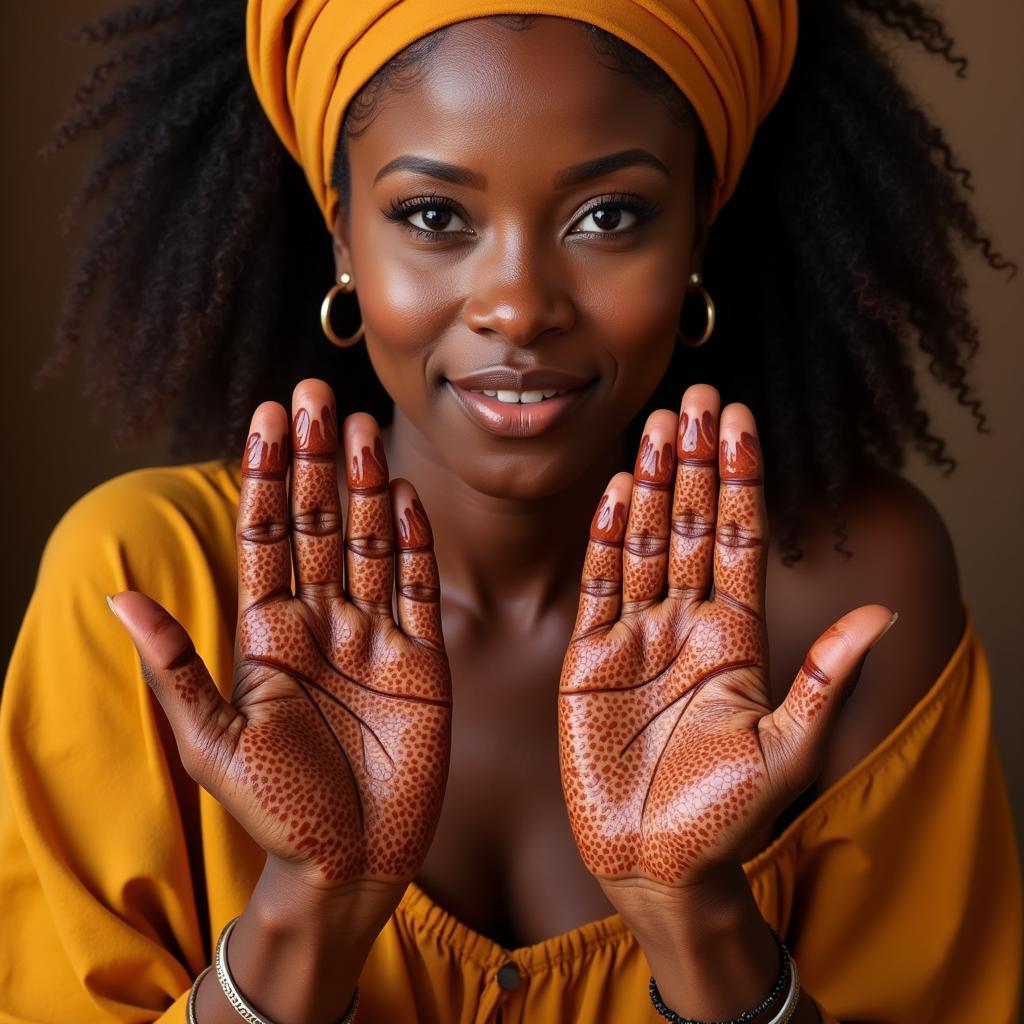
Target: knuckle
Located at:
point(422, 592)
point(370, 546)
point(601, 587)
point(732, 535)
point(316, 522)
point(692, 525)
point(646, 545)
point(268, 531)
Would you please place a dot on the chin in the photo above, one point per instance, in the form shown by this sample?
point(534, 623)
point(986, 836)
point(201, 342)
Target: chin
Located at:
point(517, 476)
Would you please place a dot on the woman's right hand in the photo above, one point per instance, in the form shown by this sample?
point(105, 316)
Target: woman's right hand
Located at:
point(333, 751)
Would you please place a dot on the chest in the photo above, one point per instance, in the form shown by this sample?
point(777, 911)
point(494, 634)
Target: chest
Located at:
point(503, 859)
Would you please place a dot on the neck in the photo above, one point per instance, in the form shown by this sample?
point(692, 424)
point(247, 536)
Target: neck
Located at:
point(498, 554)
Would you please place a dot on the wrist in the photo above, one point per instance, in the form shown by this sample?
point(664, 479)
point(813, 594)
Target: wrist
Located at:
point(689, 915)
point(348, 916)
point(709, 948)
point(297, 950)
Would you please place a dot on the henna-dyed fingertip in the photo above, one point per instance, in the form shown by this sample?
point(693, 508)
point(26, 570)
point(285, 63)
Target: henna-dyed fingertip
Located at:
point(609, 523)
point(413, 528)
point(655, 461)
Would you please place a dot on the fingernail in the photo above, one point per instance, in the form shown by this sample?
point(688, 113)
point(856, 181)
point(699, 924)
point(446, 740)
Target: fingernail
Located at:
point(888, 626)
point(113, 608)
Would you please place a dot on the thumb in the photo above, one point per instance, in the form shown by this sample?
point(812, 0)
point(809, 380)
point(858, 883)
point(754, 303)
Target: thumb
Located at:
point(206, 727)
point(797, 730)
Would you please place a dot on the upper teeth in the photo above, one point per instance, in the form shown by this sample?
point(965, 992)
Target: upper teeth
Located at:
point(513, 397)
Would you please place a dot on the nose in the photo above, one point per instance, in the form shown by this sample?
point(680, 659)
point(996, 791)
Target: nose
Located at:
point(519, 296)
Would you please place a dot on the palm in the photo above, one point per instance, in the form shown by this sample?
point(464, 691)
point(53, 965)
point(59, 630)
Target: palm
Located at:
point(344, 718)
point(333, 751)
point(668, 738)
point(672, 756)
point(343, 756)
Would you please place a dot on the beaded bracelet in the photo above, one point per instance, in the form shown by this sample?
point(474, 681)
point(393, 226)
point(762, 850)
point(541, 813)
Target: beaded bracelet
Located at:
point(787, 969)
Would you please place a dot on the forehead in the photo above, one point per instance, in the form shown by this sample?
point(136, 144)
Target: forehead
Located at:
point(527, 94)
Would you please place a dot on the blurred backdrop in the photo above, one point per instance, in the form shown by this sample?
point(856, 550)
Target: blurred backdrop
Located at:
point(63, 446)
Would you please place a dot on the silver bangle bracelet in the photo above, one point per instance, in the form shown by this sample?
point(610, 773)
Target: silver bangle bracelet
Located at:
point(190, 1006)
point(241, 1005)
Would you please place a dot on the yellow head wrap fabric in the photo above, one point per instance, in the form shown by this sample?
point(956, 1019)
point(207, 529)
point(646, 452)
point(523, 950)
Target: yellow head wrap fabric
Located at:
point(308, 58)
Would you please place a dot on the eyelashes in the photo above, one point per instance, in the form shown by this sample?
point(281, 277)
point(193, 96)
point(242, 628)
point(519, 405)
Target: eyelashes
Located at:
point(402, 210)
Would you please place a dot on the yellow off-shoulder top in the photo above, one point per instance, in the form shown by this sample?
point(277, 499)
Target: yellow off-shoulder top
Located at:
point(898, 890)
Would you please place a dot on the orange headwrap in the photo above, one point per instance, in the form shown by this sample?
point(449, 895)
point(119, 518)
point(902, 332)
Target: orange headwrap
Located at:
point(308, 58)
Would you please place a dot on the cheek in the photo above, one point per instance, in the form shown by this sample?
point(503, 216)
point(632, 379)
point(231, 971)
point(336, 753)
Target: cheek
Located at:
point(636, 310)
point(405, 310)
point(403, 306)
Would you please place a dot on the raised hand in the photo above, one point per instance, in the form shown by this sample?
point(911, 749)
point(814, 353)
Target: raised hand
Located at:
point(333, 751)
point(672, 755)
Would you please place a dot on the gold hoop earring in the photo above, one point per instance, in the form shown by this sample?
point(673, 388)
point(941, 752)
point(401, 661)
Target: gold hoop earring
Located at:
point(709, 306)
point(346, 285)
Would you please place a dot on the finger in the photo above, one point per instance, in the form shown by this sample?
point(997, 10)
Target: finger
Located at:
point(741, 536)
point(695, 501)
point(794, 736)
point(205, 725)
point(418, 584)
point(601, 588)
point(264, 553)
point(645, 554)
point(369, 541)
point(315, 505)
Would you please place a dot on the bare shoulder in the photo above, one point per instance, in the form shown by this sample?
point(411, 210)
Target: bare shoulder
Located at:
point(903, 557)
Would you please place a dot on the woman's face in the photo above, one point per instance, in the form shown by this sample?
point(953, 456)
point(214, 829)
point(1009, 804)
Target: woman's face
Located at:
point(523, 210)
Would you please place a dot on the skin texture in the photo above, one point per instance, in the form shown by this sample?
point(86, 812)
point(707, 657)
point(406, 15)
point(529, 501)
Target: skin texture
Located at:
point(615, 738)
point(670, 752)
point(336, 704)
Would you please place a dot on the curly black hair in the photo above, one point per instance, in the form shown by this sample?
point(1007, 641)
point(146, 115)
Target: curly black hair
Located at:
point(198, 290)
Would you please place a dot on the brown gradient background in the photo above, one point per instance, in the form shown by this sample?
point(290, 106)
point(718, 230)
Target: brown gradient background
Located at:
point(60, 447)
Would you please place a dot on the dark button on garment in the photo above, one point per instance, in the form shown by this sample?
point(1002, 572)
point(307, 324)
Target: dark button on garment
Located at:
point(508, 977)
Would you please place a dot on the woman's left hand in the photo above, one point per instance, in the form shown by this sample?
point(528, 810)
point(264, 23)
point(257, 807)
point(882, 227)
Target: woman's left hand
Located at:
point(672, 756)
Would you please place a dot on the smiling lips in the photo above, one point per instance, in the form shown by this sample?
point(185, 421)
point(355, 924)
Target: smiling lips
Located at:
point(514, 403)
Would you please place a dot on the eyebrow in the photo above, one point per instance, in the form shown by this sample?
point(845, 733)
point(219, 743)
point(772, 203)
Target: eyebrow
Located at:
point(433, 169)
point(566, 178)
point(603, 165)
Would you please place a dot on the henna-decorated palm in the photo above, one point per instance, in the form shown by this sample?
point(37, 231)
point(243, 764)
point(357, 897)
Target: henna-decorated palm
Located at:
point(333, 752)
point(672, 756)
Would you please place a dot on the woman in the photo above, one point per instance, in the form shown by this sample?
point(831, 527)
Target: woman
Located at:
point(366, 815)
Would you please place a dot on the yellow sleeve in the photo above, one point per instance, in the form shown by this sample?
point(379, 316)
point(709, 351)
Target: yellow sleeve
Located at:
point(96, 873)
point(900, 888)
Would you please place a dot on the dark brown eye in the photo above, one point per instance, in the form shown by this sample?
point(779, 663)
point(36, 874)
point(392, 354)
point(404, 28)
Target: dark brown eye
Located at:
point(607, 217)
point(607, 220)
point(434, 218)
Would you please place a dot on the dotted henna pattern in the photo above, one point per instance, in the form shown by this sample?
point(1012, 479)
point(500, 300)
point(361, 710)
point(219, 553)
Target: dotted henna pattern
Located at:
point(316, 507)
point(419, 591)
point(369, 539)
point(602, 571)
point(809, 691)
point(658, 707)
point(740, 557)
point(645, 552)
point(345, 748)
point(694, 504)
